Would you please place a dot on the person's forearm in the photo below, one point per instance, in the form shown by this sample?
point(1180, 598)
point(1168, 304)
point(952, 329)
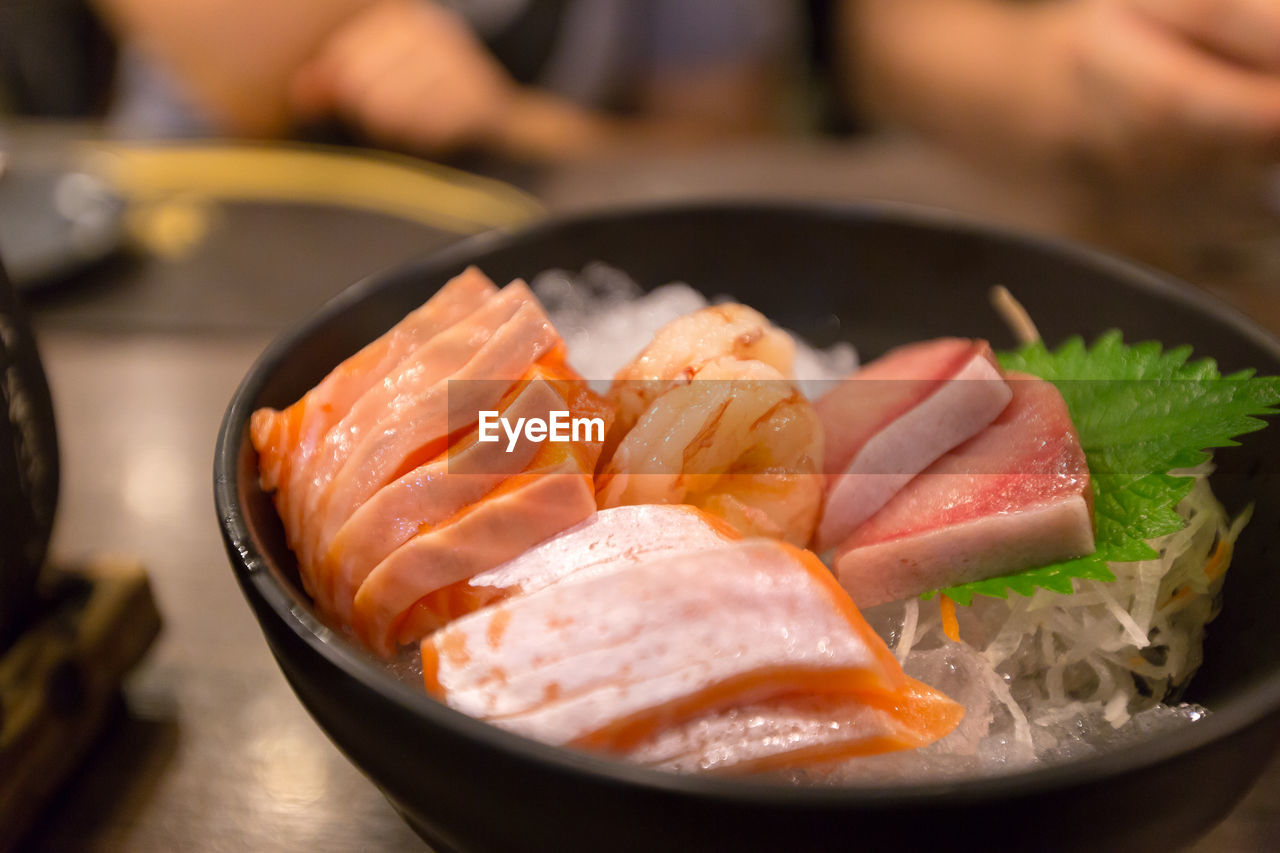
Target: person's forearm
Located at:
point(986, 76)
point(234, 58)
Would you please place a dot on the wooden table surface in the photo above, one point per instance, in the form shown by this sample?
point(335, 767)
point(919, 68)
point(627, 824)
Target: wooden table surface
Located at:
point(211, 750)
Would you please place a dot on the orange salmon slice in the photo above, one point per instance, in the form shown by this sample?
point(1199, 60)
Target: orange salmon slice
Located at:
point(799, 731)
point(415, 423)
point(609, 540)
point(435, 493)
point(287, 440)
point(524, 511)
point(607, 661)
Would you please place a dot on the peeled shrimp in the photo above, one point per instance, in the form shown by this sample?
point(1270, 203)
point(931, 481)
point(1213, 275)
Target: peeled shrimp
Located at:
point(734, 438)
point(686, 342)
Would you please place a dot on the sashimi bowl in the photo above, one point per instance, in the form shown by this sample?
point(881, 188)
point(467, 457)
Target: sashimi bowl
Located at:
point(879, 276)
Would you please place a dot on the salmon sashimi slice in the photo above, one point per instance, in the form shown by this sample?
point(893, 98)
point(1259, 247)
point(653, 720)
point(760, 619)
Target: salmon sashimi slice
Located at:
point(410, 388)
point(608, 540)
point(894, 417)
point(426, 497)
point(523, 511)
point(1014, 497)
point(607, 661)
point(279, 434)
point(286, 440)
point(800, 731)
point(732, 437)
point(417, 425)
point(434, 493)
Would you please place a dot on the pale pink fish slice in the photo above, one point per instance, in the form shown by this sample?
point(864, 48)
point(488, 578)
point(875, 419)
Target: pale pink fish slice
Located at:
point(890, 420)
point(799, 731)
point(420, 418)
point(524, 511)
point(608, 540)
point(1016, 496)
point(606, 661)
point(426, 497)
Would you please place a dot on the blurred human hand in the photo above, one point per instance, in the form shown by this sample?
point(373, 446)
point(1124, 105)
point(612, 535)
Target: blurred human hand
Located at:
point(408, 74)
point(1124, 95)
point(1171, 92)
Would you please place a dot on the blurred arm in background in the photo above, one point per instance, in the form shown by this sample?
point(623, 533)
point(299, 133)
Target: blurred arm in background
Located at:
point(414, 75)
point(1125, 95)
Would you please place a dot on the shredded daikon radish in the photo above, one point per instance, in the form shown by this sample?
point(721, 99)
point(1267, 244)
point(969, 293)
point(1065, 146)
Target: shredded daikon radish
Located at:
point(1068, 675)
point(911, 618)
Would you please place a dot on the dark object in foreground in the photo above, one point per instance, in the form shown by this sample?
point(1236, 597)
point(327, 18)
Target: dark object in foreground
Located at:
point(28, 465)
point(59, 679)
point(875, 276)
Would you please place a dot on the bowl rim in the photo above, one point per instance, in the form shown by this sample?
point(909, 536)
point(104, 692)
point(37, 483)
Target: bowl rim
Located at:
point(1255, 701)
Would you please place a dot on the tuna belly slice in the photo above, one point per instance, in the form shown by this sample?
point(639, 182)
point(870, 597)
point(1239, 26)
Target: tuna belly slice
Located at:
point(1015, 497)
point(607, 661)
point(799, 731)
point(610, 539)
point(897, 415)
point(525, 510)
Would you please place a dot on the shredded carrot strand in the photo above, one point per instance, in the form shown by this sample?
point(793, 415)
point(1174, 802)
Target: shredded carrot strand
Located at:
point(1220, 560)
point(1182, 594)
point(950, 624)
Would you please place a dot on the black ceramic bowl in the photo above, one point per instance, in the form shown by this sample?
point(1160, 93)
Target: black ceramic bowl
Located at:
point(879, 277)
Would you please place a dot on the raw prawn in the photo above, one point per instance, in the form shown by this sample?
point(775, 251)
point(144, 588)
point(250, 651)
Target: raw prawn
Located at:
point(733, 437)
point(686, 342)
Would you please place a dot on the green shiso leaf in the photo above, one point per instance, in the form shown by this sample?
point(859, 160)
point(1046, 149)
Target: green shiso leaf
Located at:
point(1142, 412)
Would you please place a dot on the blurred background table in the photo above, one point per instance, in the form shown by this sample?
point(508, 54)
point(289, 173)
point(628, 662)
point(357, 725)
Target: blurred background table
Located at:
point(210, 750)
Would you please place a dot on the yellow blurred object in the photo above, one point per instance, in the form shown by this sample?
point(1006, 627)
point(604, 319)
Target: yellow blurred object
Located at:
point(171, 227)
point(188, 175)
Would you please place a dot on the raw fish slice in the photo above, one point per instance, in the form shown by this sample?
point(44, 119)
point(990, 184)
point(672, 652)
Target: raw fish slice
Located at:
point(281, 435)
point(427, 497)
point(435, 493)
point(417, 426)
point(799, 731)
point(286, 440)
point(606, 661)
point(890, 420)
point(523, 511)
point(730, 329)
point(734, 438)
point(610, 539)
point(417, 388)
point(1014, 497)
